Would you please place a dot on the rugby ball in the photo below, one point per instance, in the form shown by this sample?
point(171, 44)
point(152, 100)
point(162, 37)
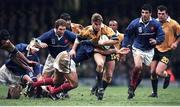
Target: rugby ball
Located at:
point(104, 38)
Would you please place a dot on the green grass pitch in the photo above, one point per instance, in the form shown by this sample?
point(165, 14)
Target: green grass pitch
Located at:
point(114, 96)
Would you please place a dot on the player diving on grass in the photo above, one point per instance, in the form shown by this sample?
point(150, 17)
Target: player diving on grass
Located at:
point(65, 66)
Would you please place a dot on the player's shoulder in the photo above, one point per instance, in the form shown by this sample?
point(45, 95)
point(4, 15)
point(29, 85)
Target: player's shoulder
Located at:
point(153, 20)
point(135, 21)
point(21, 46)
point(120, 35)
point(174, 22)
point(87, 29)
point(106, 28)
point(76, 25)
point(69, 35)
point(51, 31)
point(48, 33)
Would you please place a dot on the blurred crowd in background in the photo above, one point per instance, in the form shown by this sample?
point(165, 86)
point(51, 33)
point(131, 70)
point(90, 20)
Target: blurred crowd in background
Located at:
point(26, 19)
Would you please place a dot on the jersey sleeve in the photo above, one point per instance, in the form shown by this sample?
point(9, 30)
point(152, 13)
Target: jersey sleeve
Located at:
point(129, 33)
point(21, 47)
point(109, 32)
point(177, 29)
point(45, 36)
point(76, 28)
point(84, 34)
point(120, 37)
point(70, 36)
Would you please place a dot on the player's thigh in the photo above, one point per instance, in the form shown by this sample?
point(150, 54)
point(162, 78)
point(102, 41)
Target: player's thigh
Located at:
point(13, 79)
point(72, 77)
point(48, 67)
point(155, 60)
point(137, 56)
point(138, 60)
point(164, 61)
point(161, 67)
point(153, 65)
point(148, 57)
point(99, 59)
point(3, 75)
point(110, 66)
point(7, 77)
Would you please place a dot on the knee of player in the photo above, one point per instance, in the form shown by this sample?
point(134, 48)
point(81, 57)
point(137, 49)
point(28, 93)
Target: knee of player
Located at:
point(26, 78)
point(158, 72)
point(46, 75)
point(138, 67)
point(154, 76)
point(74, 84)
point(100, 66)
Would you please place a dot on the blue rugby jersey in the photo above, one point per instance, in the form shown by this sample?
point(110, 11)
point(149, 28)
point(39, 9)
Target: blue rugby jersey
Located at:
point(16, 69)
point(138, 34)
point(55, 44)
point(70, 36)
point(84, 51)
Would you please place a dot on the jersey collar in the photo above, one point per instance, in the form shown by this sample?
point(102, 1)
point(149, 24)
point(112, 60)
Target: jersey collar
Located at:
point(140, 20)
point(57, 35)
point(168, 19)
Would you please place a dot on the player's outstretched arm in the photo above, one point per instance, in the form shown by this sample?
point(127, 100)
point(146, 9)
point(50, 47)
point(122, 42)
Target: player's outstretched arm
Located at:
point(123, 51)
point(37, 43)
point(74, 47)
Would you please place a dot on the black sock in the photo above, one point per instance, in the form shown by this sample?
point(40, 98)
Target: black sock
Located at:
point(99, 79)
point(95, 86)
point(154, 83)
point(105, 84)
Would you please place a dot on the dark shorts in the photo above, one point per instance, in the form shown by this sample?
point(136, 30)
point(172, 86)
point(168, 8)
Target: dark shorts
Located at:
point(111, 57)
point(164, 57)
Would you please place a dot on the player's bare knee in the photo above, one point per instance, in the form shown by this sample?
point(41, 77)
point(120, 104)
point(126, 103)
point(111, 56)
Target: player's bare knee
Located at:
point(74, 84)
point(159, 73)
point(153, 75)
point(99, 67)
point(46, 75)
point(138, 68)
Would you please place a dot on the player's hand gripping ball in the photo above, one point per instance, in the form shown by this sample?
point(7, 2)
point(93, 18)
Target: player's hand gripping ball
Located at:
point(101, 41)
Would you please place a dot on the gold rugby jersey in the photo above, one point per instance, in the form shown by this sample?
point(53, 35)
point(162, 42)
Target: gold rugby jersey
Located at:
point(76, 28)
point(88, 33)
point(171, 29)
point(120, 39)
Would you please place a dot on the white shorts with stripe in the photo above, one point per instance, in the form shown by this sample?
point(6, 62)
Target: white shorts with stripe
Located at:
point(63, 63)
point(48, 66)
point(7, 77)
point(146, 56)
